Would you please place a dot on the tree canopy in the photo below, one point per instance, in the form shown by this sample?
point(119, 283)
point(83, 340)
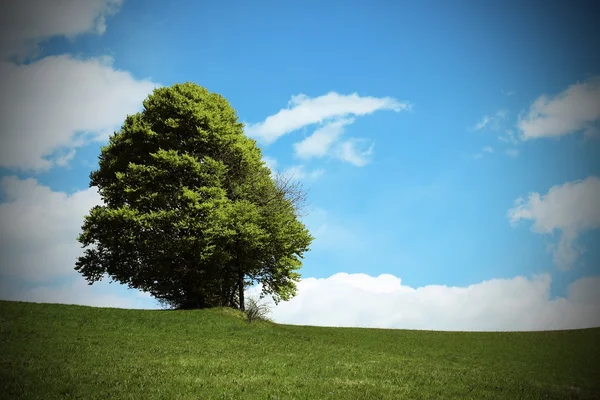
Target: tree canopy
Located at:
point(191, 213)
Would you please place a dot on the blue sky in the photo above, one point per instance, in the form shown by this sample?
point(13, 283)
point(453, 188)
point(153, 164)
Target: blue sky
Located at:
point(430, 119)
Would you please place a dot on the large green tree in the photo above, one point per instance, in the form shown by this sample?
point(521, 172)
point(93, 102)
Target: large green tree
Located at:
point(191, 213)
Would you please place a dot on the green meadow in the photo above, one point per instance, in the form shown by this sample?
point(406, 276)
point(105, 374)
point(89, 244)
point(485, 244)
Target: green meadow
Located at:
point(51, 351)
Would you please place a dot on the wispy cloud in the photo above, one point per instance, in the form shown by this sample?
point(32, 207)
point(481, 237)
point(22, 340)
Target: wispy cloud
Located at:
point(319, 143)
point(300, 172)
point(512, 152)
point(334, 112)
point(483, 152)
point(571, 208)
point(576, 109)
point(303, 111)
point(271, 162)
point(355, 151)
point(509, 138)
point(491, 121)
point(332, 234)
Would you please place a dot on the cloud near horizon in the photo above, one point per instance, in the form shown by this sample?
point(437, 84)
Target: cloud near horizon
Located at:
point(39, 247)
point(571, 208)
point(39, 229)
point(77, 291)
point(360, 300)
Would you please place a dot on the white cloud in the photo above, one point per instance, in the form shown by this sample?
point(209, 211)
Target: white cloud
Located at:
point(51, 106)
point(77, 291)
point(483, 123)
point(46, 106)
point(331, 234)
point(39, 229)
point(518, 304)
point(320, 142)
point(271, 162)
point(334, 112)
point(509, 138)
point(571, 208)
point(299, 172)
point(25, 23)
point(64, 160)
point(512, 152)
point(490, 121)
point(303, 110)
point(355, 151)
point(566, 252)
point(574, 110)
point(508, 92)
point(592, 132)
point(585, 291)
point(486, 149)
point(360, 300)
point(39, 247)
point(323, 142)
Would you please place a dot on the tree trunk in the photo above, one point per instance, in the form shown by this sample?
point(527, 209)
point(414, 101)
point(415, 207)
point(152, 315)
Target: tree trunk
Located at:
point(225, 294)
point(232, 296)
point(241, 289)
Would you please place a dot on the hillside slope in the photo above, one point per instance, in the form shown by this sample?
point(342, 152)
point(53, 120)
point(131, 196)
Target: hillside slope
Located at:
point(50, 351)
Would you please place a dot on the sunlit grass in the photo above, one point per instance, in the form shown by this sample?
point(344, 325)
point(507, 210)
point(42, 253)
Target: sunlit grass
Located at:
point(58, 352)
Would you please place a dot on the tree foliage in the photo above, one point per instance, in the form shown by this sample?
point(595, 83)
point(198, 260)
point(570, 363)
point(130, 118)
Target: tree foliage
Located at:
point(191, 213)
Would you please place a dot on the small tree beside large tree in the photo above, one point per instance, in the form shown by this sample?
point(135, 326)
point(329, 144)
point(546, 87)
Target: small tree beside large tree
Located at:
point(191, 213)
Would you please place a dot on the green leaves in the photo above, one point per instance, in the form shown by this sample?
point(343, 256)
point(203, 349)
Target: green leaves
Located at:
point(191, 213)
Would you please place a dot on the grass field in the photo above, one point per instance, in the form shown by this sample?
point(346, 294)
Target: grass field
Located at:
point(59, 352)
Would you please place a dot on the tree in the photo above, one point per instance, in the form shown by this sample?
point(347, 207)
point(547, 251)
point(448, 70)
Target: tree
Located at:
point(191, 213)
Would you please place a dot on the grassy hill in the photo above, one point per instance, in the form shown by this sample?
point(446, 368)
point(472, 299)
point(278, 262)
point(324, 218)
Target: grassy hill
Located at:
point(50, 351)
